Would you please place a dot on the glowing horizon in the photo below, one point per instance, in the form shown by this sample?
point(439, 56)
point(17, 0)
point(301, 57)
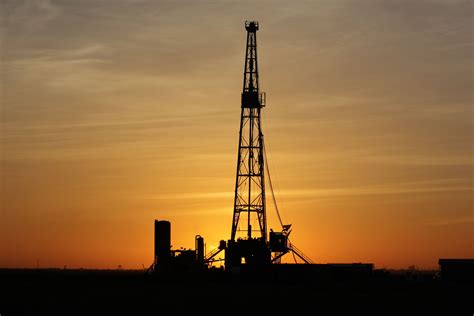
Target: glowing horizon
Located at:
point(118, 113)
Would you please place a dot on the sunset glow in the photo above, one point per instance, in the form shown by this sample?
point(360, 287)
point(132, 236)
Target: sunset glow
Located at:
point(117, 113)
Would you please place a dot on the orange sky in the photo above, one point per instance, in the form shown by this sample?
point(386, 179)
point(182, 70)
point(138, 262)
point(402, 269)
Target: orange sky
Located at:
point(116, 113)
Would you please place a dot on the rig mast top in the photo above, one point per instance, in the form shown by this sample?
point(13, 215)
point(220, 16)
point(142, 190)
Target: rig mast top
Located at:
point(251, 96)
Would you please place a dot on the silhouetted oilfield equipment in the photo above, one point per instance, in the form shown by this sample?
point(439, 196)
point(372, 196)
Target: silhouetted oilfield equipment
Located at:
point(456, 270)
point(162, 243)
point(250, 248)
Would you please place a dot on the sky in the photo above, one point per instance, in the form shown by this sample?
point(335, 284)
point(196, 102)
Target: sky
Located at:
point(117, 113)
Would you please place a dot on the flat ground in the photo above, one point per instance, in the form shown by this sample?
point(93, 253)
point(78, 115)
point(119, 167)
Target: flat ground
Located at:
point(119, 292)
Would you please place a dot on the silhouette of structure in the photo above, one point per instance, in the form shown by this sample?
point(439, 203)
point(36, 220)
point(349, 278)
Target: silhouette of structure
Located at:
point(162, 243)
point(250, 247)
point(250, 178)
point(457, 269)
point(167, 259)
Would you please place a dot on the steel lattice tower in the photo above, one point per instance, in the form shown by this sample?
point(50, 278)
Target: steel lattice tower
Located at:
point(250, 179)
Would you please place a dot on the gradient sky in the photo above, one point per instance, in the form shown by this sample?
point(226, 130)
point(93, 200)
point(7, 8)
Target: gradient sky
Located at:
point(116, 113)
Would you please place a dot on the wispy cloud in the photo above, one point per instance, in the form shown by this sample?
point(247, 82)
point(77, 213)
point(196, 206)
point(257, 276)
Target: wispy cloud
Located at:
point(29, 14)
point(452, 222)
point(317, 193)
point(191, 195)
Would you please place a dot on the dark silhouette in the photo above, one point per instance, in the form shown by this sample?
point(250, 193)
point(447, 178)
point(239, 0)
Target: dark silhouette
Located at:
point(130, 292)
point(457, 270)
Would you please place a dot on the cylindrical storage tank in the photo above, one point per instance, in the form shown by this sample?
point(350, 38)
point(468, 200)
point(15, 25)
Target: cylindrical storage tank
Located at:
point(222, 245)
point(200, 249)
point(162, 242)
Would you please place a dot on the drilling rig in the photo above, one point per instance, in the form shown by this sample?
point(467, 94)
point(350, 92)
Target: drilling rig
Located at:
point(251, 248)
point(249, 199)
point(250, 245)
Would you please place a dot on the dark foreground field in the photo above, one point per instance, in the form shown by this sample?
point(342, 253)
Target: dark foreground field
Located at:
point(104, 292)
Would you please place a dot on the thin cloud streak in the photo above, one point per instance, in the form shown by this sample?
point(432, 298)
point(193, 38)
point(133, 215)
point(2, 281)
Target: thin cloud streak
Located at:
point(453, 222)
point(316, 193)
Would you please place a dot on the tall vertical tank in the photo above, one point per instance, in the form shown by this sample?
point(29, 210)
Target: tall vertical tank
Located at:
point(200, 249)
point(162, 243)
